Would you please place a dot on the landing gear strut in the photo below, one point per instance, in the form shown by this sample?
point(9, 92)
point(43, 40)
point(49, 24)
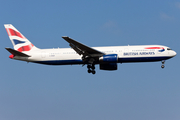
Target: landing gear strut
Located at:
point(91, 69)
point(162, 66)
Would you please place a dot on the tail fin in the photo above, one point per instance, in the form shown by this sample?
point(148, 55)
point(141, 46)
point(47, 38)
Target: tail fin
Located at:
point(19, 42)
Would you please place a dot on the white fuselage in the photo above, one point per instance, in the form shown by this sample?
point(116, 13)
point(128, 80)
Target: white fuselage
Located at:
point(67, 56)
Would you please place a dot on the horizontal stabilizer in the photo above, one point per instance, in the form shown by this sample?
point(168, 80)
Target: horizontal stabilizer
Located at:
point(16, 53)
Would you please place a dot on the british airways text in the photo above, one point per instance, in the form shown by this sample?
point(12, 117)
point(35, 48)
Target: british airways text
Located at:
point(136, 53)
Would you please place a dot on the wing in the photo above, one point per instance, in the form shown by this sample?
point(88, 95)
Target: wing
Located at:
point(82, 49)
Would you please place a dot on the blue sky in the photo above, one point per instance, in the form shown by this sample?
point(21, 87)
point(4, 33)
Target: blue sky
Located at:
point(140, 91)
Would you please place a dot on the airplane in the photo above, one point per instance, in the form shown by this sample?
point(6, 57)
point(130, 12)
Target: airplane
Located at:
point(80, 54)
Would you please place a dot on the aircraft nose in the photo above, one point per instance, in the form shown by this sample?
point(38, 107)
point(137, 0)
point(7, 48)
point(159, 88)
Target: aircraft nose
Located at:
point(174, 53)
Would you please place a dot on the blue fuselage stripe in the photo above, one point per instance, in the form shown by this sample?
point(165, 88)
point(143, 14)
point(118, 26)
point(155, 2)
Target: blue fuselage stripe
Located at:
point(120, 60)
point(60, 62)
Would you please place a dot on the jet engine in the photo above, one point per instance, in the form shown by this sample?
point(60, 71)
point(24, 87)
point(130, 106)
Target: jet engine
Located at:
point(111, 58)
point(108, 62)
point(108, 66)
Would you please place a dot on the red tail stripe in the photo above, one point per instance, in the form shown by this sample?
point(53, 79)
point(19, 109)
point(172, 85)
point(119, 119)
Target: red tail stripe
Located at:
point(12, 32)
point(26, 48)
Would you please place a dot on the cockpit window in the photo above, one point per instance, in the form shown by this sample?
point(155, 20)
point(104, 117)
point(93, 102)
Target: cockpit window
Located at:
point(169, 49)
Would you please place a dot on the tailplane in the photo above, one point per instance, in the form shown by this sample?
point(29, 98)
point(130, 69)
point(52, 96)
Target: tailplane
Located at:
point(19, 42)
point(16, 53)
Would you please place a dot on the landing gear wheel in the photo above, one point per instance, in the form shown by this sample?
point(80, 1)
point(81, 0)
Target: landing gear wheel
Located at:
point(162, 66)
point(89, 71)
point(93, 72)
point(91, 68)
point(163, 62)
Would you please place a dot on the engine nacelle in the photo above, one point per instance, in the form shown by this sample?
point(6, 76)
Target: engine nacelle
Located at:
point(111, 58)
point(108, 66)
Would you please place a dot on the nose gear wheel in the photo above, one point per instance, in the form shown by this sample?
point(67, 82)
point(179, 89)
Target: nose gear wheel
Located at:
point(163, 62)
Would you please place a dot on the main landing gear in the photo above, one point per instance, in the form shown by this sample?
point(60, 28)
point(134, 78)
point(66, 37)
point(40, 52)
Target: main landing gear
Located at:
point(162, 66)
point(91, 69)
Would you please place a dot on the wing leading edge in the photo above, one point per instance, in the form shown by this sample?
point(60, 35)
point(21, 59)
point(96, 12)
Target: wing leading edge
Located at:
point(82, 49)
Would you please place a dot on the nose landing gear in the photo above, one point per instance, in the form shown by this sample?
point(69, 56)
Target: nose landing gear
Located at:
point(91, 69)
point(163, 62)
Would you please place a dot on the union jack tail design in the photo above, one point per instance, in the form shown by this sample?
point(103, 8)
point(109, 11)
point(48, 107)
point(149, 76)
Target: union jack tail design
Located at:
point(19, 42)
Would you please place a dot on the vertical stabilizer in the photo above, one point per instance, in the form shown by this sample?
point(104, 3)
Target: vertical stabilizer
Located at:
point(19, 42)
